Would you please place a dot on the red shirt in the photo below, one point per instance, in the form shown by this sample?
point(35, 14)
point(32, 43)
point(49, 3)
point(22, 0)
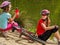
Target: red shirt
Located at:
point(40, 29)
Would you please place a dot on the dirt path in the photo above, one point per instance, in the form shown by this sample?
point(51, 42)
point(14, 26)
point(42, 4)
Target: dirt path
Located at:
point(12, 40)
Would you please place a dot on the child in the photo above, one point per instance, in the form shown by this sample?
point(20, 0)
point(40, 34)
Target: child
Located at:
point(44, 31)
point(5, 16)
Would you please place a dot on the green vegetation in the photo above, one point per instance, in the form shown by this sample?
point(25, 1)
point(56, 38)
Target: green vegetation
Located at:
point(31, 9)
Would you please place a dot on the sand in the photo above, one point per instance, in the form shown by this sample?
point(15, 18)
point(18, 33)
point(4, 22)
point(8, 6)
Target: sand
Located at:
point(13, 37)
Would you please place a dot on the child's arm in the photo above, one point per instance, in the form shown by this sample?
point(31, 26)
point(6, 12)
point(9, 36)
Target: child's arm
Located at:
point(11, 19)
point(47, 28)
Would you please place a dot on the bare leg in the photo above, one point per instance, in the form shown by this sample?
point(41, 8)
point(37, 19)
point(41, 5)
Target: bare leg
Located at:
point(57, 35)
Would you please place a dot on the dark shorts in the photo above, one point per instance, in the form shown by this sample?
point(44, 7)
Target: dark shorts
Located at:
point(47, 34)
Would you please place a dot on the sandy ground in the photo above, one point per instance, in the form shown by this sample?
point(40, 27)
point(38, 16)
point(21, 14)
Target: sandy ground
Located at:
point(13, 40)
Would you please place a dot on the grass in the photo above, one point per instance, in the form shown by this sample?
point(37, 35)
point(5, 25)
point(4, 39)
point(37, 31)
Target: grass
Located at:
point(31, 9)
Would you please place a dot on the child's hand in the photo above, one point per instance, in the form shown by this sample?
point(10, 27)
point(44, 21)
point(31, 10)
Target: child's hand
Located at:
point(36, 35)
point(56, 26)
